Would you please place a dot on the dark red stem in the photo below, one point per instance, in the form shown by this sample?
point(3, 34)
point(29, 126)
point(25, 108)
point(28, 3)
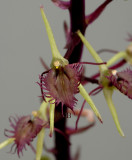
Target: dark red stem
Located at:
point(77, 20)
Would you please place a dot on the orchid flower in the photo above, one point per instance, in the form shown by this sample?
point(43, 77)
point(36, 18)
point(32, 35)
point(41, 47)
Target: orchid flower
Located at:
point(104, 82)
point(62, 81)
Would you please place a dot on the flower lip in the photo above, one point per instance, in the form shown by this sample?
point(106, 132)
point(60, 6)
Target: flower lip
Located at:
point(61, 83)
point(122, 81)
point(25, 129)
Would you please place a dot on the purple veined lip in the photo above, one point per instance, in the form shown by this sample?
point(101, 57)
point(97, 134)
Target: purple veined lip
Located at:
point(25, 129)
point(122, 81)
point(62, 84)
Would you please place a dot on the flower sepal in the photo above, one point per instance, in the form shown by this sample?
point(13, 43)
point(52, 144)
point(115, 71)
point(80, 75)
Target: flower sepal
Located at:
point(6, 142)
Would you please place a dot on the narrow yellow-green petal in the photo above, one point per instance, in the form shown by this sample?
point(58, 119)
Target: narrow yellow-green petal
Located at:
point(52, 112)
point(40, 142)
point(6, 142)
point(108, 96)
point(43, 109)
point(55, 52)
point(115, 58)
point(92, 51)
point(40, 138)
point(85, 95)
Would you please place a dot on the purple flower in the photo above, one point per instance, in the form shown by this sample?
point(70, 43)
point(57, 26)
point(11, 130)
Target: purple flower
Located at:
point(25, 129)
point(62, 81)
point(122, 81)
point(61, 84)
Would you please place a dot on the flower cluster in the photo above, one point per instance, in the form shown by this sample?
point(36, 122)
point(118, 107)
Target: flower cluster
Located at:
point(60, 84)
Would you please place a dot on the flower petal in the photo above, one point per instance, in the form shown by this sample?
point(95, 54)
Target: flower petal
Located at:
point(90, 102)
point(92, 51)
point(55, 52)
point(52, 112)
point(40, 141)
point(6, 142)
point(108, 96)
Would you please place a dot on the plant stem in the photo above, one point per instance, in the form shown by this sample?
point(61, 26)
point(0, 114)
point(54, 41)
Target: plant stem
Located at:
point(77, 20)
point(61, 144)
